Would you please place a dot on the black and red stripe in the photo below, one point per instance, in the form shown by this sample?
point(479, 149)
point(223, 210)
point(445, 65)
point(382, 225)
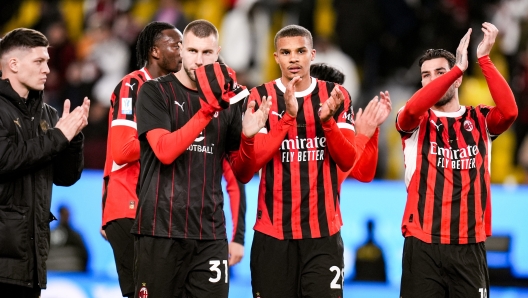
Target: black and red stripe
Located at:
point(183, 199)
point(298, 195)
point(448, 196)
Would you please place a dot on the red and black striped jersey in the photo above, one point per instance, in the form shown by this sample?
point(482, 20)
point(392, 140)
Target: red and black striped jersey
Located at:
point(299, 192)
point(183, 199)
point(447, 160)
point(121, 170)
point(447, 166)
point(237, 201)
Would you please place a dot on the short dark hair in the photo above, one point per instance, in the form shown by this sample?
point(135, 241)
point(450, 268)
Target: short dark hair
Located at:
point(293, 31)
point(438, 53)
point(22, 38)
point(325, 72)
point(147, 38)
point(201, 28)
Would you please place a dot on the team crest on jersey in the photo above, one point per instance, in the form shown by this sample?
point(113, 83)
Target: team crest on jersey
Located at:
point(17, 122)
point(44, 125)
point(468, 125)
point(126, 105)
point(143, 292)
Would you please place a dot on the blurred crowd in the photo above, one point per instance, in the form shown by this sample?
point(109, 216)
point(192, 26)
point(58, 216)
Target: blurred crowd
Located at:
point(374, 42)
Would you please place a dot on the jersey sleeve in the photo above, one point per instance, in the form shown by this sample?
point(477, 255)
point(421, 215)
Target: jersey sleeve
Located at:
point(154, 122)
point(345, 115)
point(237, 200)
point(267, 140)
point(123, 141)
point(340, 135)
point(502, 116)
point(364, 168)
point(235, 127)
point(167, 146)
point(409, 117)
point(152, 109)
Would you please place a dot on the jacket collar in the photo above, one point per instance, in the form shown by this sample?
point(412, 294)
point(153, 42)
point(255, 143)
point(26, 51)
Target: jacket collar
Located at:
point(29, 106)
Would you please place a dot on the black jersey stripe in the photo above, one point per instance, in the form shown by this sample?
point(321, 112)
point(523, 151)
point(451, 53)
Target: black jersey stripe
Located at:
point(472, 173)
point(454, 126)
point(305, 111)
point(436, 226)
point(423, 176)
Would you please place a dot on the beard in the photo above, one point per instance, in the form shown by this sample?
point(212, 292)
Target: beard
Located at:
point(190, 73)
point(448, 96)
point(170, 65)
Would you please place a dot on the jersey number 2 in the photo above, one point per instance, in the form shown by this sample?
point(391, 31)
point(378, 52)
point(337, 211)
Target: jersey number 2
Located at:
point(339, 273)
point(214, 268)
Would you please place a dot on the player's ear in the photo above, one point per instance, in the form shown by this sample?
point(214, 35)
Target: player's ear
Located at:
point(313, 54)
point(155, 52)
point(458, 82)
point(12, 63)
point(276, 56)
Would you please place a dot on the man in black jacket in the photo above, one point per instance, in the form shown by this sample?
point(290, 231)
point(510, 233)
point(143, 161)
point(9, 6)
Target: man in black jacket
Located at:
point(36, 149)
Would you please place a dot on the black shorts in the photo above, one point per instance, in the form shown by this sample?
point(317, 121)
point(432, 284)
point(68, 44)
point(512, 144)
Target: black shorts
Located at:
point(122, 242)
point(297, 268)
point(170, 267)
point(444, 270)
point(9, 290)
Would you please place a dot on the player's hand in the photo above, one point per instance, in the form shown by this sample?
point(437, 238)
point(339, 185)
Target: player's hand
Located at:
point(366, 120)
point(462, 52)
point(252, 122)
point(292, 106)
point(217, 74)
point(103, 233)
point(490, 34)
point(71, 123)
point(330, 106)
point(236, 253)
point(385, 107)
point(86, 112)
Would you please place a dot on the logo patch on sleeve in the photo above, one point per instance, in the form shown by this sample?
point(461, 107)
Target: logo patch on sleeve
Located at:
point(143, 292)
point(126, 105)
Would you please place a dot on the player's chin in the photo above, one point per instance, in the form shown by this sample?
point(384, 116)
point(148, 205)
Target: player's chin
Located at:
point(38, 86)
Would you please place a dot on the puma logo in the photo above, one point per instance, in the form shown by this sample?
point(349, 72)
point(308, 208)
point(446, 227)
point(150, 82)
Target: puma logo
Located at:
point(180, 105)
point(437, 126)
point(200, 137)
point(17, 122)
point(278, 115)
point(131, 86)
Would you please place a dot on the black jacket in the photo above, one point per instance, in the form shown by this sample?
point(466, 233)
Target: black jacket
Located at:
point(33, 155)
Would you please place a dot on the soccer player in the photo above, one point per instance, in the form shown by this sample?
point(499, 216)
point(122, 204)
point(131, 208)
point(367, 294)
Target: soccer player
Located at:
point(158, 54)
point(447, 151)
point(37, 149)
point(184, 139)
point(297, 249)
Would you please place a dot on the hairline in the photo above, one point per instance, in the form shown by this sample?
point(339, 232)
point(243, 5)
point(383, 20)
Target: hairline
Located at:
point(25, 49)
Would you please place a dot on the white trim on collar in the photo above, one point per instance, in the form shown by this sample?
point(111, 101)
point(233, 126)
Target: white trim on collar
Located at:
point(458, 113)
point(300, 93)
point(146, 74)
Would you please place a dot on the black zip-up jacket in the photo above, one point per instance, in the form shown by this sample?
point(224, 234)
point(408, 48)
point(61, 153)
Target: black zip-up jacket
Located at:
point(33, 155)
